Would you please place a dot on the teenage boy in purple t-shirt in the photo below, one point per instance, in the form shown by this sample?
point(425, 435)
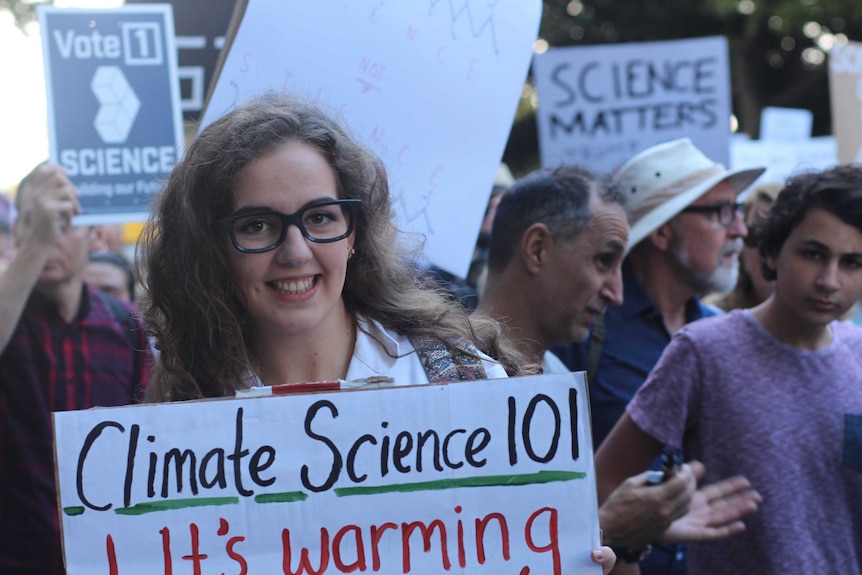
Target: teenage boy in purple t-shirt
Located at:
point(772, 393)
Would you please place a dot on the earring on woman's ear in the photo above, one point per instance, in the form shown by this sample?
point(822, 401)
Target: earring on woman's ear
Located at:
point(350, 252)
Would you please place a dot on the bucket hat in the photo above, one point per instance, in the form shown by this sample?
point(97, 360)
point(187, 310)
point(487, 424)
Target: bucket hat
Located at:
point(662, 180)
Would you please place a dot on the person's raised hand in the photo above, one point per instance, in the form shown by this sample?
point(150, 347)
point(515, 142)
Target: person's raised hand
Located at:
point(716, 511)
point(637, 513)
point(48, 203)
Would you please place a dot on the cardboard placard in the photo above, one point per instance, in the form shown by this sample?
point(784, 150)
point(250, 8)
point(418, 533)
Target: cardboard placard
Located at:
point(478, 477)
point(845, 91)
point(113, 105)
point(601, 105)
point(432, 88)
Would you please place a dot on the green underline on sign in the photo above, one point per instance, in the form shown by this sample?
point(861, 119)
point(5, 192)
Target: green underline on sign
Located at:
point(489, 481)
point(154, 506)
point(294, 496)
point(286, 497)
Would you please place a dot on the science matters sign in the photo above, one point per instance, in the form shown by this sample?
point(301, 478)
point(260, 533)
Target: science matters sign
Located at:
point(113, 104)
point(485, 477)
point(601, 105)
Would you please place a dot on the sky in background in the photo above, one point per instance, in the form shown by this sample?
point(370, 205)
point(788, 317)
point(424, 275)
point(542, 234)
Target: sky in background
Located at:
point(23, 112)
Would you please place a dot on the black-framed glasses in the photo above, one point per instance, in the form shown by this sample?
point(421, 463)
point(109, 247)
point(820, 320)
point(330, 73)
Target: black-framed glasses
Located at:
point(726, 212)
point(254, 231)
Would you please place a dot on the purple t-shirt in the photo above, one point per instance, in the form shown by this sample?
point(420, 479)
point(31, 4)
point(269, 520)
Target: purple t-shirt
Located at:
point(789, 420)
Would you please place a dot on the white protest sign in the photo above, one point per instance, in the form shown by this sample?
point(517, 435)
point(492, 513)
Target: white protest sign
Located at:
point(431, 87)
point(486, 477)
point(783, 158)
point(601, 105)
point(845, 92)
point(113, 105)
point(785, 124)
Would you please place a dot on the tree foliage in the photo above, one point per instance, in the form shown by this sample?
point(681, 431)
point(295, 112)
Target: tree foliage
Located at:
point(777, 48)
point(24, 11)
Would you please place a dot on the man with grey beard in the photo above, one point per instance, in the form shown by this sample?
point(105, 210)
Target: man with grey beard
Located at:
point(686, 233)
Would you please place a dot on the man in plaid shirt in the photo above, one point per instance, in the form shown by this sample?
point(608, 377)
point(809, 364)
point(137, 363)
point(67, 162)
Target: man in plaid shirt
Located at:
point(64, 346)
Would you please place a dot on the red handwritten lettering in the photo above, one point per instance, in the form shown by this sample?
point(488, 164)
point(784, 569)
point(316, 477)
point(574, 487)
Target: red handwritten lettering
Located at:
point(481, 524)
point(553, 535)
point(408, 528)
point(196, 556)
point(231, 543)
point(304, 560)
point(166, 550)
point(376, 533)
point(223, 528)
point(348, 547)
point(433, 179)
point(357, 544)
point(462, 554)
point(112, 556)
point(377, 134)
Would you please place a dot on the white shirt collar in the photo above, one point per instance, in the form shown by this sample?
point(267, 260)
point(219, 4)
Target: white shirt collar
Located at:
point(367, 355)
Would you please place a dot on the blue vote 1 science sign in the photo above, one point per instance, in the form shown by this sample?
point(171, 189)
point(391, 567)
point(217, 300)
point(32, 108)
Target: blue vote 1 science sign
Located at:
point(113, 105)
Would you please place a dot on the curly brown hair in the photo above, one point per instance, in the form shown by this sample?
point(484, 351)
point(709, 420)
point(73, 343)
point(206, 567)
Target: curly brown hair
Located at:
point(193, 310)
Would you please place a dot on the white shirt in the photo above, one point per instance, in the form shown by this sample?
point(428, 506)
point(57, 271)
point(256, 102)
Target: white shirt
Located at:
point(392, 356)
point(553, 364)
point(371, 358)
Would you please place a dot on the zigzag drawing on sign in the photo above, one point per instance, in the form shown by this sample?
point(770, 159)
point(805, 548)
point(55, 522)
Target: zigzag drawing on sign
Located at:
point(419, 212)
point(467, 11)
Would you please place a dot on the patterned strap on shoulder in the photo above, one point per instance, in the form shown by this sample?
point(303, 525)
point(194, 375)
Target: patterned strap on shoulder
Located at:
point(443, 364)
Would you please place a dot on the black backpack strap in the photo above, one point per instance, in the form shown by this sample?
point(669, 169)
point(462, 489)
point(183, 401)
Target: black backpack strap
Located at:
point(594, 351)
point(445, 364)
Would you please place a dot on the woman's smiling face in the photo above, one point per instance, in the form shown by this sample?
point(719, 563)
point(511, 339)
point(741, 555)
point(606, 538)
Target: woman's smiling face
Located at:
point(295, 288)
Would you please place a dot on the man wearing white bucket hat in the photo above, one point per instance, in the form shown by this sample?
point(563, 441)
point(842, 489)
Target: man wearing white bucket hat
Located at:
point(686, 234)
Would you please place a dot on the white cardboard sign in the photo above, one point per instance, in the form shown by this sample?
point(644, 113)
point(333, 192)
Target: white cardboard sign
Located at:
point(782, 158)
point(486, 477)
point(431, 87)
point(785, 124)
point(601, 105)
point(845, 91)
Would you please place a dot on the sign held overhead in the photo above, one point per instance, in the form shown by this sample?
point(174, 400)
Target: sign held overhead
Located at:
point(113, 105)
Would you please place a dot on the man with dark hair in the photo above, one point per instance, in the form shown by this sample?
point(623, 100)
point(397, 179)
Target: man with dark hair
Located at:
point(63, 346)
point(772, 393)
point(556, 246)
point(554, 259)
